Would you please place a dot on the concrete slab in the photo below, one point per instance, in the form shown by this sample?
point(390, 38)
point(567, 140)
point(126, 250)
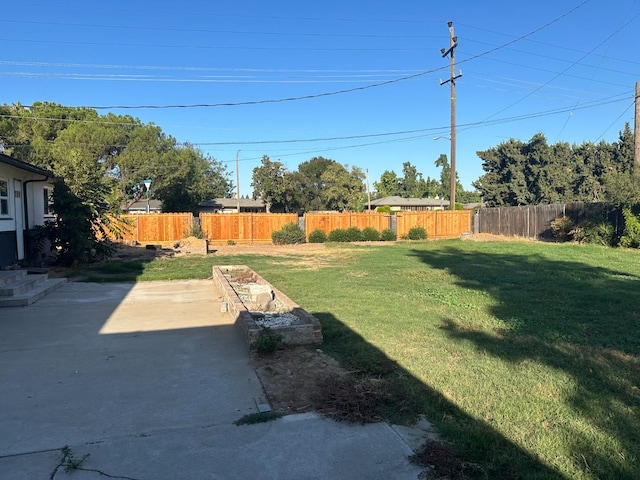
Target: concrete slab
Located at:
point(148, 379)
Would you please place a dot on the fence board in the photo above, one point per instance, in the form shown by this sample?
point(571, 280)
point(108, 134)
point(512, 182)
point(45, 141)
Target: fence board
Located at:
point(328, 221)
point(325, 221)
point(533, 221)
point(156, 227)
point(437, 223)
point(243, 228)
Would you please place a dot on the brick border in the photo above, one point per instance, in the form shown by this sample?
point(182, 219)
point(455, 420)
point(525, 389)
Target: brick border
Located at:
point(309, 332)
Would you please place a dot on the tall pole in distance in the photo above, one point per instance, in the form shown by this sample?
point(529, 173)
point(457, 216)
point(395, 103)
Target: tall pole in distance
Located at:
point(636, 128)
point(237, 182)
point(368, 192)
point(453, 43)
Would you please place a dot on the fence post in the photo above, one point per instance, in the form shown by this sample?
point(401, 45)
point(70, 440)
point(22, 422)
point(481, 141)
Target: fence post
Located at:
point(435, 224)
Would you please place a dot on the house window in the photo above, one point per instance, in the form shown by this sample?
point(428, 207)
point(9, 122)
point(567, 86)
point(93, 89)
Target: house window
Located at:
point(48, 201)
point(4, 197)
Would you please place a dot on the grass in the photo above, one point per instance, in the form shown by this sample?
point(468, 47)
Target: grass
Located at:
point(525, 356)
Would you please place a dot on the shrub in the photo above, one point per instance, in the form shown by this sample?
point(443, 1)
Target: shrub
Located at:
point(338, 235)
point(267, 341)
point(370, 234)
point(388, 235)
point(289, 234)
point(384, 209)
point(317, 236)
point(631, 235)
point(195, 230)
point(601, 233)
point(354, 234)
point(417, 233)
point(562, 228)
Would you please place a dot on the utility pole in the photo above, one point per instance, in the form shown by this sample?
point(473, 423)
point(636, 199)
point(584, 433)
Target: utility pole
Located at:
point(237, 182)
point(636, 127)
point(453, 43)
point(368, 192)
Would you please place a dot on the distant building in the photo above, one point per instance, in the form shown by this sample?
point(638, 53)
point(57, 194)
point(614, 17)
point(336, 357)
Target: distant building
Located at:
point(140, 206)
point(230, 205)
point(410, 204)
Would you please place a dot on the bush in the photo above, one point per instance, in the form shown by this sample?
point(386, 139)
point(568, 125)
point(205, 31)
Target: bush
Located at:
point(601, 233)
point(267, 341)
point(384, 209)
point(388, 235)
point(75, 235)
point(631, 235)
point(562, 228)
point(290, 234)
point(338, 235)
point(195, 230)
point(370, 234)
point(317, 236)
point(417, 233)
point(354, 234)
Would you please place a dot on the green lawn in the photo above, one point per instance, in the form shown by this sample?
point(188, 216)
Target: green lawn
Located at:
point(526, 356)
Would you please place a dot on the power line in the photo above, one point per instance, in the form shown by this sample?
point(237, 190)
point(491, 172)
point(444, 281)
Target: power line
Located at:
point(224, 32)
point(343, 91)
point(563, 71)
point(444, 128)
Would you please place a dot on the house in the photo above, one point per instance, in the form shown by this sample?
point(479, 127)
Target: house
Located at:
point(25, 202)
point(140, 206)
point(410, 204)
point(230, 205)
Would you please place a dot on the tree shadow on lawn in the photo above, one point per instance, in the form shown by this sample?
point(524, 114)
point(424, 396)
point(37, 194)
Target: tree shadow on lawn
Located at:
point(480, 451)
point(575, 318)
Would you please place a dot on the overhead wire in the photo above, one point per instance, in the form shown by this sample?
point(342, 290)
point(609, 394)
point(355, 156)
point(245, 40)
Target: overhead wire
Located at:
point(342, 91)
point(628, 22)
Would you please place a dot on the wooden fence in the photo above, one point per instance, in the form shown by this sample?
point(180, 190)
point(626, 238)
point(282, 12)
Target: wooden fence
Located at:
point(532, 221)
point(156, 227)
point(333, 220)
point(243, 227)
point(249, 228)
point(438, 223)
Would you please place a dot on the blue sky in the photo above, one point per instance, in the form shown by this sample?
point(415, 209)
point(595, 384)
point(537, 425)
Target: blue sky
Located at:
point(563, 68)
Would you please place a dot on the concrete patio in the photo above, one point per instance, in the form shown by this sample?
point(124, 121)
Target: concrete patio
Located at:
point(148, 379)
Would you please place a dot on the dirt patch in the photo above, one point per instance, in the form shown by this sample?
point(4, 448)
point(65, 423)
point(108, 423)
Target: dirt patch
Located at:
point(268, 249)
point(293, 378)
point(488, 237)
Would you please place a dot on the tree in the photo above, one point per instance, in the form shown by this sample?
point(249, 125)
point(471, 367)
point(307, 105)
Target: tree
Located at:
point(518, 173)
point(389, 185)
point(185, 177)
point(104, 159)
point(410, 185)
point(444, 186)
point(344, 188)
point(268, 182)
point(311, 183)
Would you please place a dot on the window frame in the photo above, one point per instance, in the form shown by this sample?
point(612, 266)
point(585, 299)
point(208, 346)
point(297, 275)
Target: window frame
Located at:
point(47, 201)
point(6, 199)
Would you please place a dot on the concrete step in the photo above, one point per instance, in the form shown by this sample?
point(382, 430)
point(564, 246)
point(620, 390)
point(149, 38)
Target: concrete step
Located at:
point(21, 285)
point(34, 294)
point(10, 276)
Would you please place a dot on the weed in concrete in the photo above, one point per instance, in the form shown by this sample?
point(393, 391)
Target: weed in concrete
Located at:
point(71, 463)
point(253, 418)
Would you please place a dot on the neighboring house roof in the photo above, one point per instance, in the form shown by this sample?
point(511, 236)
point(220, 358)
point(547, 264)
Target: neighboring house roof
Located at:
point(396, 201)
point(232, 203)
point(141, 205)
point(14, 162)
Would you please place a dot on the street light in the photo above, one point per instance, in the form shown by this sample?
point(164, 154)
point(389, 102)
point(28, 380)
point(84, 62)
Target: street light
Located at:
point(147, 184)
